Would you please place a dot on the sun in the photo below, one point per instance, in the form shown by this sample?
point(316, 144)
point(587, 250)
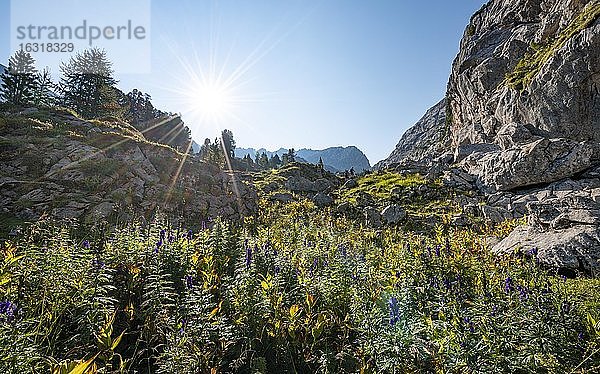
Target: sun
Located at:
point(210, 99)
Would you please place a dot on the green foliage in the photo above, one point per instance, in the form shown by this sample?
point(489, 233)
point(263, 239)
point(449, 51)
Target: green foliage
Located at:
point(533, 61)
point(228, 143)
point(212, 152)
point(380, 184)
point(292, 290)
point(88, 87)
point(43, 95)
point(140, 110)
point(470, 30)
point(19, 82)
point(449, 116)
point(101, 167)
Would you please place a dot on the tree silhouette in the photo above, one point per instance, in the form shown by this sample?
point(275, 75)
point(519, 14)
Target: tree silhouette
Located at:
point(228, 143)
point(88, 87)
point(19, 81)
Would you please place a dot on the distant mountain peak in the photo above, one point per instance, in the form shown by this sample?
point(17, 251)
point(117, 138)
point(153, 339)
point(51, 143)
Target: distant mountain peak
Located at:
point(338, 158)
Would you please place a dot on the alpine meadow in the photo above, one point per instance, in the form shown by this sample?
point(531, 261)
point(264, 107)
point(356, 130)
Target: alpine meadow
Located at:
point(137, 235)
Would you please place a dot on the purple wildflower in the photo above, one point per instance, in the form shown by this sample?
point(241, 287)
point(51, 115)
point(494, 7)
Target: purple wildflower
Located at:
point(86, 244)
point(437, 250)
point(248, 257)
point(532, 252)
point(163, 234)
point(508, 285)
point(97, 263)
point(494, 310)
point(189, 281)
point(7, 311)
point(190, 235)
point(394, 310)
point(522, 292)
point(342, 248)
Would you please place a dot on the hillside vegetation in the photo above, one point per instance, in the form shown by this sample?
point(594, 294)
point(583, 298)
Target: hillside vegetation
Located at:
point(295, 288)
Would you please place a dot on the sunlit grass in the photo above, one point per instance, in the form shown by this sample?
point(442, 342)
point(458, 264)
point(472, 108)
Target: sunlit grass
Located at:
point(294, 287)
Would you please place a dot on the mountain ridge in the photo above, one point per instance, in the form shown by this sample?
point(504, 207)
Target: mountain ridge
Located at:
point(338, 158)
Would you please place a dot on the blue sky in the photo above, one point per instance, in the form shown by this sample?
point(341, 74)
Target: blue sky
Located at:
point(312, 73)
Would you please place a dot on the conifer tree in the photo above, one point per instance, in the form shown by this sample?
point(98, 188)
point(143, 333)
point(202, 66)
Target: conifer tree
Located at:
point(44, 94)
point(141, 111)
point(205, 150)
point(291, 155)
point(228, 142)
point(19, 81)
point(320, 164)
point(88, 86)
point(263, 161)
point(275, 161)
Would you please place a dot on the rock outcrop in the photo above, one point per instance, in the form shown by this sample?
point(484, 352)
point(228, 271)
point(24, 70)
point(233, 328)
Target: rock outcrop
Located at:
point(522, 118)
point(423, 142)
point(527, 79)
point(52, 163)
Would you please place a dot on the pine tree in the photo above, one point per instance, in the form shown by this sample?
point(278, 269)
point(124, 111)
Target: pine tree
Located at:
point(275, 161)
point(205, 150)
point(88, 86)
point(263, 161)
point(19, 82)
point(217, 156)
point(44, 94)
point(290, 156)
point(141, 111)
point(320, 164)
point(228, 142)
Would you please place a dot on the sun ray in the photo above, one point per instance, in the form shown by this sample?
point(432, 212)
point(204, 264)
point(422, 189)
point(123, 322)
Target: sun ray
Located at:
point(177, 173)
point(234, 182)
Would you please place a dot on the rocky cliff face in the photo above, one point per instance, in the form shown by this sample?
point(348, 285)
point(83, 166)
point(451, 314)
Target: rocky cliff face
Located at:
point(423, 142)
point(523, 99)
point(56, 164)
point(527, 79)
point(523, 119)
